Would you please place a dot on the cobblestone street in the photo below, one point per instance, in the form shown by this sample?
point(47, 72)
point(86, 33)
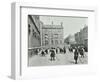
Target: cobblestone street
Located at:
point(60, 59)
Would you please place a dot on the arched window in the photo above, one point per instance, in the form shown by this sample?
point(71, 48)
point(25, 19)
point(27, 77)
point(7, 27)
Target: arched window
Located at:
point(52, 42)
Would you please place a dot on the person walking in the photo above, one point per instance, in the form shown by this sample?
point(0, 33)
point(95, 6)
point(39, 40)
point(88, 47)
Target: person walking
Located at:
point(81, 51)
point(52, 55)
point(43, 53)
point(56, 50)
point(64, 49)
point(76, 55)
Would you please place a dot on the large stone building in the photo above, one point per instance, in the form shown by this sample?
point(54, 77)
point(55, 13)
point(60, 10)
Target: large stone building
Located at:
point(40, 35)
point(34, 39)
point(52, 35)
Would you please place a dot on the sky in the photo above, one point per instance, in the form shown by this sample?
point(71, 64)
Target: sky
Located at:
point(71, 25)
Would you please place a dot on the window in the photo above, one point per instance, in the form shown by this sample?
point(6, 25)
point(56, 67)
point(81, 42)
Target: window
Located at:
point(46, 35)
point(60, 41)
point(56, 41)
point(46, 42)
point(52, 42)
point(55, 35)
point(34, 34)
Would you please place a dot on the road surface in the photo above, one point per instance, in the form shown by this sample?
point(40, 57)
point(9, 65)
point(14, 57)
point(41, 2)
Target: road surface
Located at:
point(60, 59)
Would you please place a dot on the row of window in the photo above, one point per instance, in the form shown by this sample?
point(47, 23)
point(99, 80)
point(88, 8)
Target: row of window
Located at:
point(53, 42)
point(53, 35)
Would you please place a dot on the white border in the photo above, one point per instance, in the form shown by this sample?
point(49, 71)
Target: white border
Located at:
point(19, 61)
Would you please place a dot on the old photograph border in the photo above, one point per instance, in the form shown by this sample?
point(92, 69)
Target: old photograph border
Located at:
point(51, 20)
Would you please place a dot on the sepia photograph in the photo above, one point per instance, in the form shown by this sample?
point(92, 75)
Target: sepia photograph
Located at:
point(57, 40)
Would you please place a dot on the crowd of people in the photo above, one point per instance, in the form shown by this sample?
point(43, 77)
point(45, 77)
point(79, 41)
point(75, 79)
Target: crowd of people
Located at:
point(52, 52)
point(48, 51)
point(77, 50)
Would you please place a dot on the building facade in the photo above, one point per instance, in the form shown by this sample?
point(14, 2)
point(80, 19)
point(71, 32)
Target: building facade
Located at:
point(34, 38)
point(82, 36)
point(77, 37)
point(52, 35)
point(40, 35)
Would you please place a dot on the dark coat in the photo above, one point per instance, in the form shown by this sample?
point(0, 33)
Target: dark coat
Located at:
point(81, 52)
point(42, 53)
point(52, 54)
point(76, 54)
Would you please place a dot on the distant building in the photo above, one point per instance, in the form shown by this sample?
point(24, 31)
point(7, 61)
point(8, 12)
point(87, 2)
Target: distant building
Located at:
point(85, 35)
point(82, 36)
point(52, 35)
point(77, 37)
point(70, 39)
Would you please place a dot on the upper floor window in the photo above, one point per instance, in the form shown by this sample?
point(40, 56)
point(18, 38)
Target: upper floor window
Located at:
point(55, 35)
